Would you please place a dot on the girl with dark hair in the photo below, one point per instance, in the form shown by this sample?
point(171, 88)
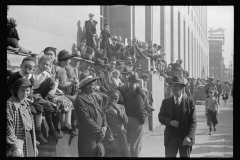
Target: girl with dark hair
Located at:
point(21, 140)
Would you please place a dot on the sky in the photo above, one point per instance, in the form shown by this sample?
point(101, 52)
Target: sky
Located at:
point(223, 16)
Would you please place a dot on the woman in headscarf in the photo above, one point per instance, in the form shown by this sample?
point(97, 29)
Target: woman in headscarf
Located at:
point(21, 140)
point(92, 122)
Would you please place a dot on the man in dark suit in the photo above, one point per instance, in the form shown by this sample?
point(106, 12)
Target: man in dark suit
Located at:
point(178, 114)
point(90, 30)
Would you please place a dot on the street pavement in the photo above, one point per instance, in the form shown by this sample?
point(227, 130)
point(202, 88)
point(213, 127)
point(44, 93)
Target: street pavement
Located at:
point(219, 144)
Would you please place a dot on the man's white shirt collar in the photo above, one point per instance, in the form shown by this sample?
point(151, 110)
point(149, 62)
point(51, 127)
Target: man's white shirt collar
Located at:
point(179, 98)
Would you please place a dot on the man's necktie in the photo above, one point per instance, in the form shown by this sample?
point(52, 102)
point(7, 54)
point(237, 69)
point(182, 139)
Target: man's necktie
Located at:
point(178, 102)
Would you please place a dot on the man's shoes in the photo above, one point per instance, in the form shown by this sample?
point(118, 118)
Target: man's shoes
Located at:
point(41, 139)
point(55, 134)
point(214, 129)
point(210, 133)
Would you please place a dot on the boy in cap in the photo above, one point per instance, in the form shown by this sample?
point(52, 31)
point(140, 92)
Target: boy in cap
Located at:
point(82, 47)
point(131, 51)
point(211, 111)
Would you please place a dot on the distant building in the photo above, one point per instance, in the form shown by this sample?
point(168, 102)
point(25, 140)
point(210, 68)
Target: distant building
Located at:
point(216, 42)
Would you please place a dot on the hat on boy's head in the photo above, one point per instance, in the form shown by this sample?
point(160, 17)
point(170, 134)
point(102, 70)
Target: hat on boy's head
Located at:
point(22, 82)
point(50, 49)
point(83, 39)
point(29, 58)
point(91, 14)
point(177, 80)
point(63, 54)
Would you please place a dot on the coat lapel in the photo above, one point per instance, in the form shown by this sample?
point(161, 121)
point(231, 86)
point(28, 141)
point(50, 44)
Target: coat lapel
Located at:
point(171, 105)
point(184, 107)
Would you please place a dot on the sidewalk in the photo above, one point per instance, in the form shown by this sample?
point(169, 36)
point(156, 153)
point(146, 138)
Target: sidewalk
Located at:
point(220, 144)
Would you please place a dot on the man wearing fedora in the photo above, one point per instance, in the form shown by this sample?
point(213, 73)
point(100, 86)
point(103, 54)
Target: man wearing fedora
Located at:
point(114, 49)
point(178, 114)
point(90, 30)
point(133, 99)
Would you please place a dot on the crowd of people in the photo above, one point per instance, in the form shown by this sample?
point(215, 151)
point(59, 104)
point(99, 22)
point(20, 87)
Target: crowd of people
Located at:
point(99, 89)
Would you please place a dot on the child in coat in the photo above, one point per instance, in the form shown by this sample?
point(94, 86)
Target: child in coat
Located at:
point(211, 111)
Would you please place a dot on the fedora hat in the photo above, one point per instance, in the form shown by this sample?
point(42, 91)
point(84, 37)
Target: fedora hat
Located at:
point(91, 14)
point(120, 63)
point(85, 78)
point(99, 61)
point(87, 58)
point(77, 55)
point(126, 70)
point(133, 78)
point(177, 80)
point(63, 54)
point(22, 82)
